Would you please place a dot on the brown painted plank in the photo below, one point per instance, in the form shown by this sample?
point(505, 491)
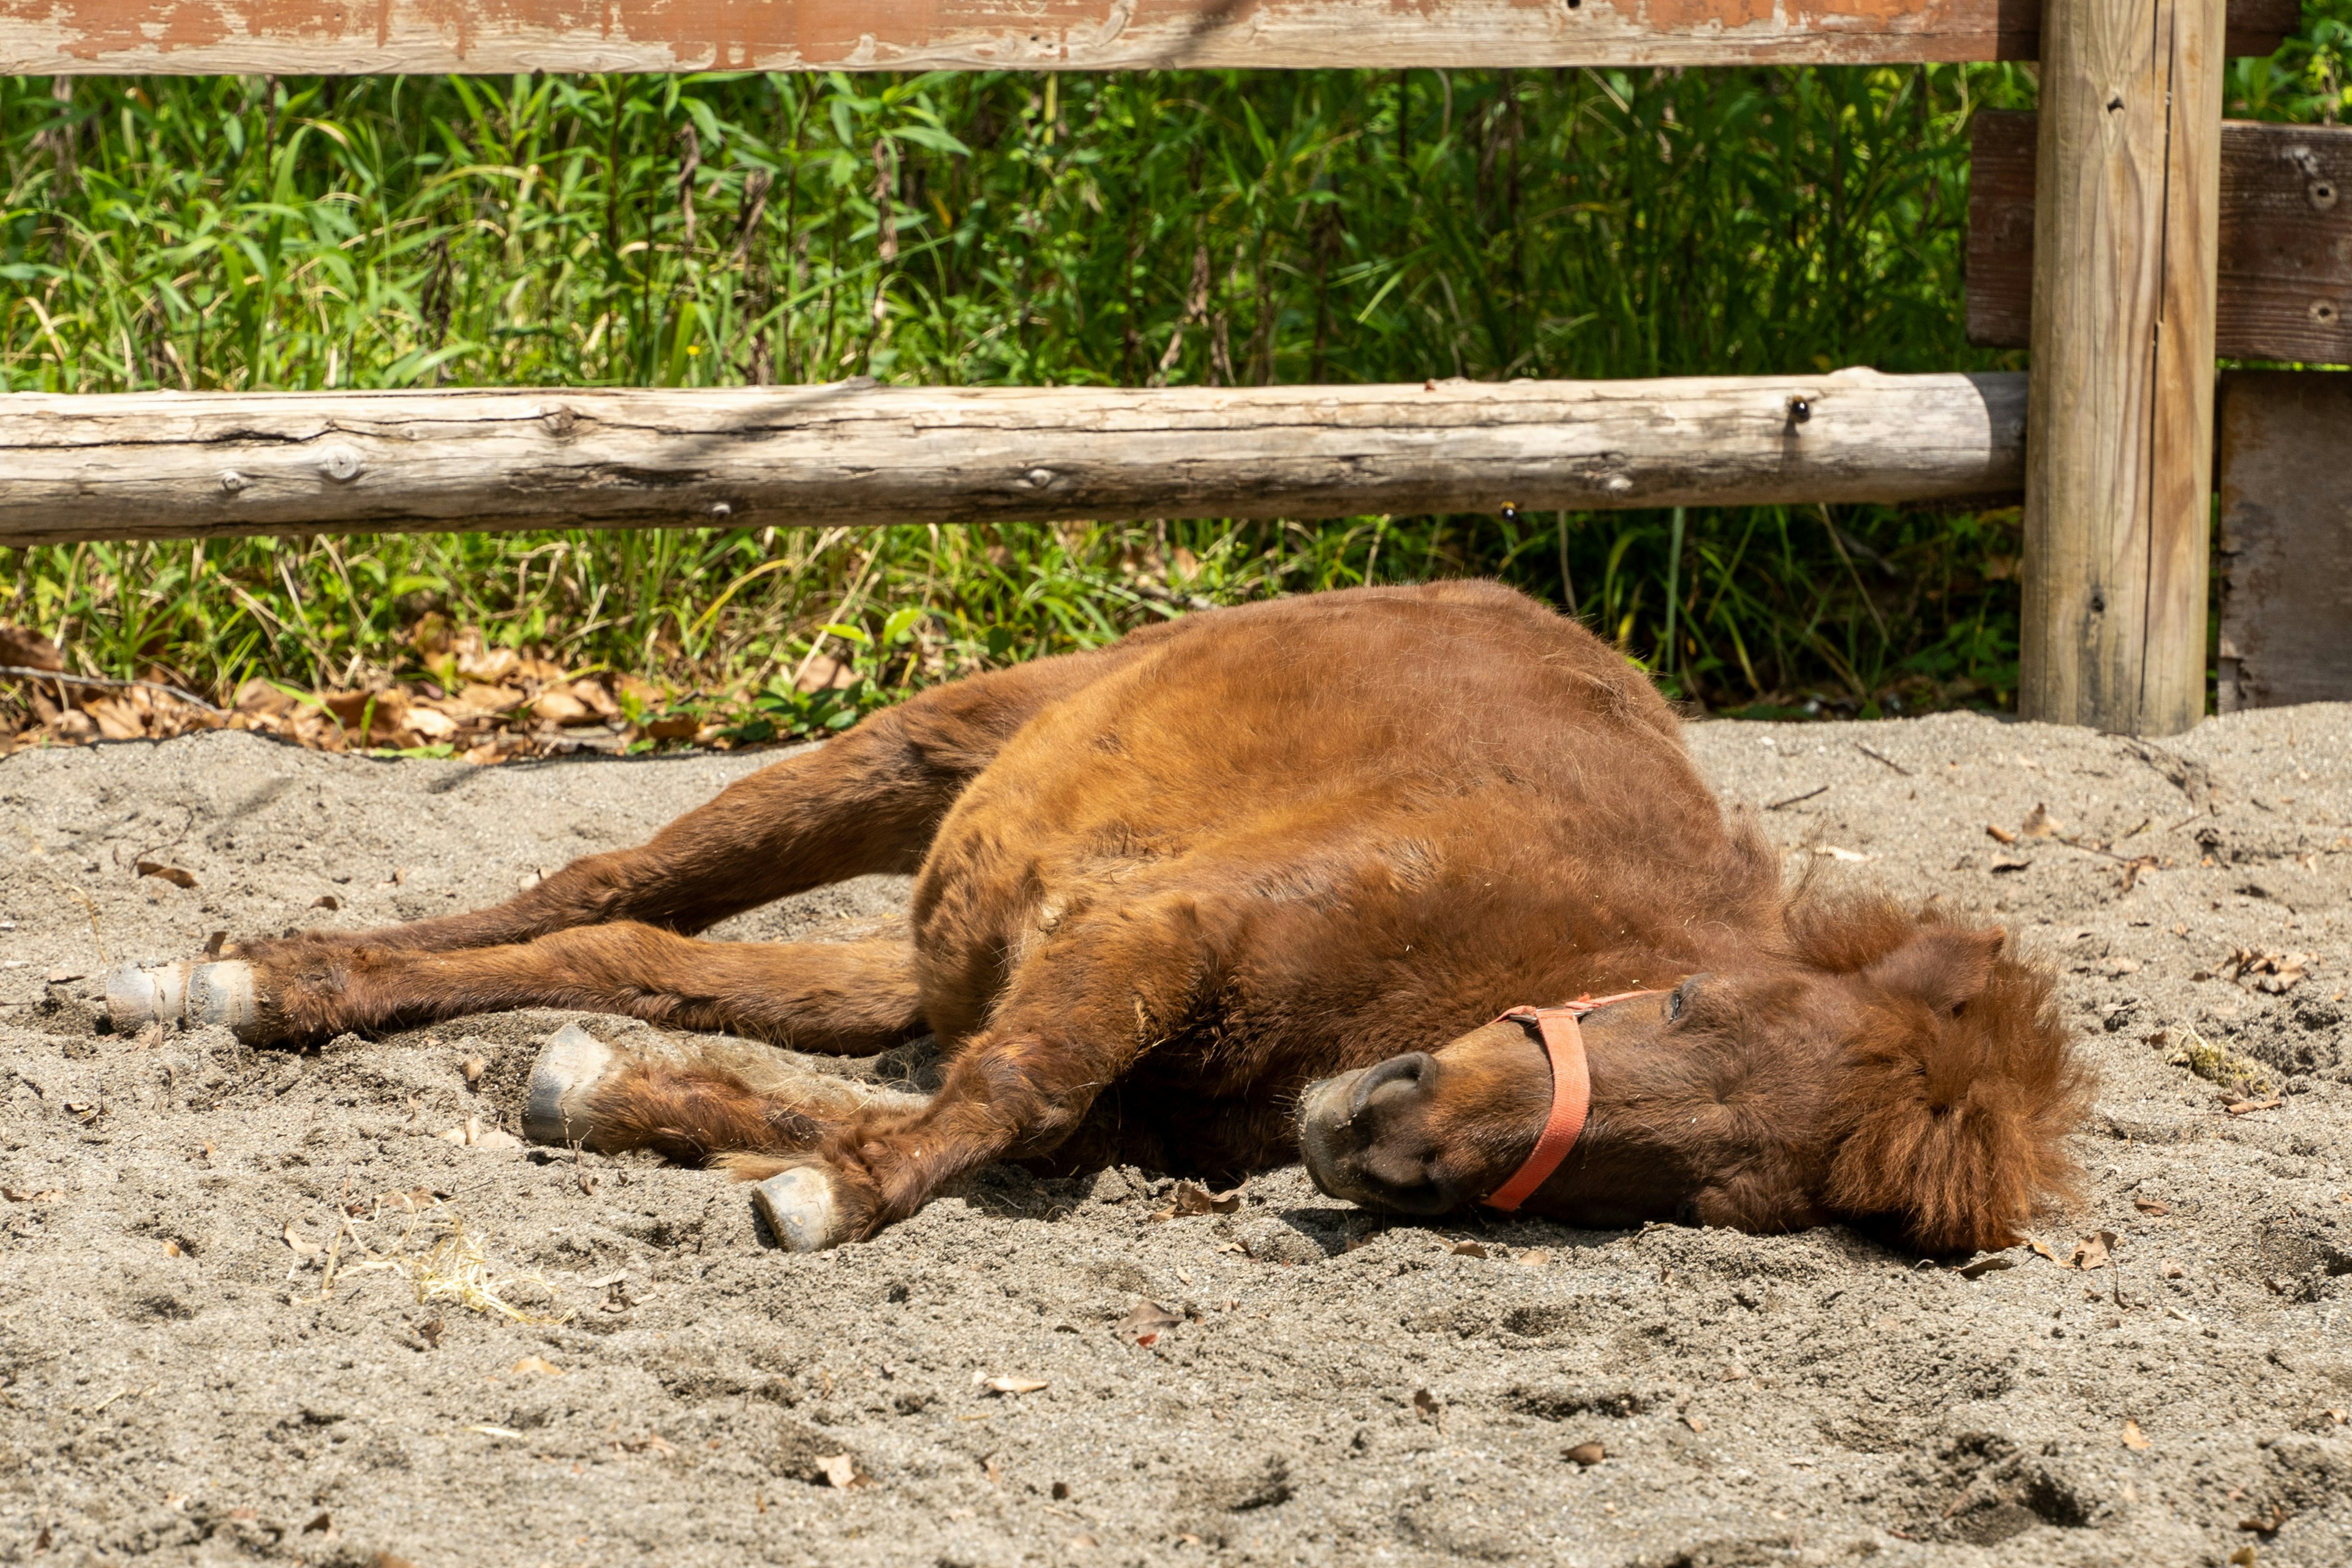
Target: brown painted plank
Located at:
point(2286, 539)
point(39, 37)
point(2285, 240)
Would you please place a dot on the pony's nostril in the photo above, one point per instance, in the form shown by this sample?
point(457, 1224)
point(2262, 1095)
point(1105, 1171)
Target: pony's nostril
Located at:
point(1408, 1068)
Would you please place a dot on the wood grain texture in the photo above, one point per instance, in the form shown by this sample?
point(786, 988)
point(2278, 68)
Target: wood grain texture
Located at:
point(2285, 237)
point(2286, 539)
point(2119, 448)
point(39, 37)
point(163, 465)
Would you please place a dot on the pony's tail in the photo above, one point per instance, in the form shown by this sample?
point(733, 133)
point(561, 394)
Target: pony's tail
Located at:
point(1953, 1125)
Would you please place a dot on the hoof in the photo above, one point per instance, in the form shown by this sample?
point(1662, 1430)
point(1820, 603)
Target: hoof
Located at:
point(224, 992)
point(798, 1206)
point(136, 997)
point(195, 994)
point(565, 1075)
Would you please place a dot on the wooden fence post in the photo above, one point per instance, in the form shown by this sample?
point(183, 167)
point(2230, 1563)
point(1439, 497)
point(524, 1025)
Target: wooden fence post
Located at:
point(2119, 424)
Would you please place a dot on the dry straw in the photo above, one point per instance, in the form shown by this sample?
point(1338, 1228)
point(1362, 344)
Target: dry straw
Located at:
point(456, 1268)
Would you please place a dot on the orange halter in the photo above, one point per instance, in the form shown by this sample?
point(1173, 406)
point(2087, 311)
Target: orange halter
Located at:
point(1571, 1091)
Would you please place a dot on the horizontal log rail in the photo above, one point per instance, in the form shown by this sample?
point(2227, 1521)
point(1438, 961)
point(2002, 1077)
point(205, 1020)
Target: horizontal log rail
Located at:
point(180, 465)
point(41, 37)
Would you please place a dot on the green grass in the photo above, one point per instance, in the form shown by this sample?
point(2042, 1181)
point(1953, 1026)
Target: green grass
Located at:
point(1191, 228)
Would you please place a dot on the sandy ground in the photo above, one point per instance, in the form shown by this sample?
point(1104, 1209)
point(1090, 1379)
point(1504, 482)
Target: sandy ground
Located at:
point(179, 1379)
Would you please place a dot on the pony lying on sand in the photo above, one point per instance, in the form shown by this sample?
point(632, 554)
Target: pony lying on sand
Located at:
point(1318, 878)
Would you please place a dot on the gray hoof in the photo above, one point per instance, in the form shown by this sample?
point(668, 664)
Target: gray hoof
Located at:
point(136, 997)
point(224, 992)
point(799, 1207)
point(195, 994)
point(561, 1082)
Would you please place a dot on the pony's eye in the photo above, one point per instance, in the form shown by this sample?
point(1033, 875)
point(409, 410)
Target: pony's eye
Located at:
point(1679, 1000)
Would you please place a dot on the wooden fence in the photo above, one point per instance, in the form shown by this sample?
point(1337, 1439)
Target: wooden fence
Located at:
point(2103, 248)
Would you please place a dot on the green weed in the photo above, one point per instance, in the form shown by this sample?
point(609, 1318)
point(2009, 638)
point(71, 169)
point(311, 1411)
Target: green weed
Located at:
point(1207, 229)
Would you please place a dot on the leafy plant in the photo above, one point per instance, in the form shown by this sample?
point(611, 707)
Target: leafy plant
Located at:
point(997, 228)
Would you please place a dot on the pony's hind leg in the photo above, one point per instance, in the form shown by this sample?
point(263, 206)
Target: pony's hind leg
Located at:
point(845, 998)
point(867, 801)
point(694, 1101)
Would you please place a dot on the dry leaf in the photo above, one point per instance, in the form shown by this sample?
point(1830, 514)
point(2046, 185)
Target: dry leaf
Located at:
point(2000, 834)
point(2134, 1439)
point(472, 1134)
point(474, 1068)
point(28, 650)
point(825, 673)
point(294, 1239)
point(539, 1364)
point(1588, 1454)
point(1426, 1403)
point(599, 700)
point(1467, 1250)
point(1991, 1262)
point(171, 874)
point(2245, 1106)
point(1534, 1258)
point(841, 1471)
point(2040, 823)
point(2260, 970)
point(2002, 867)
point(487, 1430)
point(171, 1249)
point(1734, 1373)
point(1190, 1199)
point(428, 725)
point(326, 901)
point(1832, 852)
point(59, 974)
point(1015, 1384)
point(561, 708)
point(1695, 1423)
point(2092, 1251)
point(2243, 1557)
point(2150, 1206)
point(1148, 1322)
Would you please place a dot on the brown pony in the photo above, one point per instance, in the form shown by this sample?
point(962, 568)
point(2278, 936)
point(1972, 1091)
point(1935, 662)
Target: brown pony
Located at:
point(1246, 887)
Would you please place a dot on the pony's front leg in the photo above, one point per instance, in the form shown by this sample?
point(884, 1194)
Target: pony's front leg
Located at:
point(1078, 1013)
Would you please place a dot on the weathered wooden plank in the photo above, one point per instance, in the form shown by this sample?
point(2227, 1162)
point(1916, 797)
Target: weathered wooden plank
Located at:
point(2286, 539)
point(2286, 283)
point(41, 37)
point(163, 465)
point(2119, 445)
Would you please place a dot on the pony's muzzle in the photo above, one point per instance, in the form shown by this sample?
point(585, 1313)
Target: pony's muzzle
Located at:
point(1361, 1139)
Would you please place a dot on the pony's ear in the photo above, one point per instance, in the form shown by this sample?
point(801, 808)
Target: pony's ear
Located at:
point(1944, 966)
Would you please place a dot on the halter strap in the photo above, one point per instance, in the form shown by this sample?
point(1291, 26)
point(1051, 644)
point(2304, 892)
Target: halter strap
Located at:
point(1571, 1091)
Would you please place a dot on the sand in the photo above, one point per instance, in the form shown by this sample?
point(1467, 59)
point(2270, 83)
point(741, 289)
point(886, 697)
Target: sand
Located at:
point(212, 1345)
